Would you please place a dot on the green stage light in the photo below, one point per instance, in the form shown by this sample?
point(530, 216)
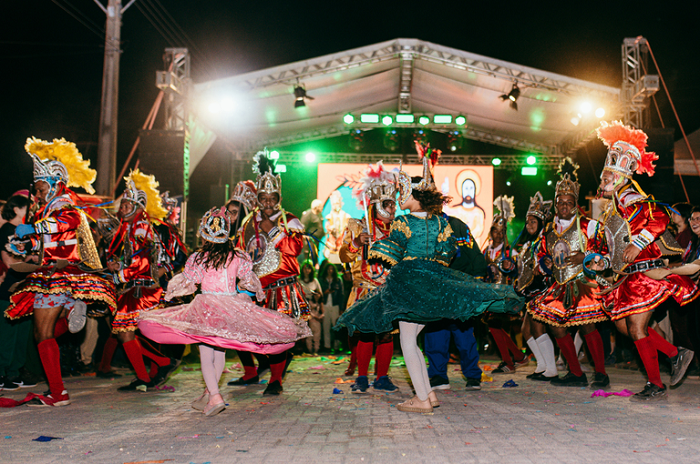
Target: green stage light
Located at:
point(274, 154)
point(368, 118)
point(531, 160)
point(496, 161)
point(348, 119)
point(403, 118)
point(528, 171)
point(424, 120)
point(387, 120)
point(280, 168)
point(460, 120)
point(442, 119)
point(310, 157)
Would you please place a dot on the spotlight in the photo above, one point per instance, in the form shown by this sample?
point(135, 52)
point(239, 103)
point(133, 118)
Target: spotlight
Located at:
point(549, 182)
point(387, 120)
point(586, 107)
point(512, 96)
point(576, 119)
point(300, 95)
point(460, 120)
point(423, 120)
point(532, 159)
point(496, 161)
point(274, 154)
point(599, 113)
point(348, 119)
point(508, 183)
point(310, 157)
point(214, 108)
point(391, 140)
point(357, 140)
point(454, 140)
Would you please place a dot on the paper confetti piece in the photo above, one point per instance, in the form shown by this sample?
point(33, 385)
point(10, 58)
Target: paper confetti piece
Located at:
point(605, 394)
point(510, 384)
point(337, 391)
point(44, 438)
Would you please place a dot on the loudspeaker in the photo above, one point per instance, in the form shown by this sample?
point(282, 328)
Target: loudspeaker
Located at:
point(161, 153)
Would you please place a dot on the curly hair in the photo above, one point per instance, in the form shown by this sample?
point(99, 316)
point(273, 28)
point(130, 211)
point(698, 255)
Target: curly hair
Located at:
point(216, 255)
point(430, 200)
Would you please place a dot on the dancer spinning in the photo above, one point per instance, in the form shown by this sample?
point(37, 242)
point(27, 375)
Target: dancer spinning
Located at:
point(65, 280)
point(570, 301)
point(223, 315)
point(635, 229)
point(421, 288)
point(377, 196)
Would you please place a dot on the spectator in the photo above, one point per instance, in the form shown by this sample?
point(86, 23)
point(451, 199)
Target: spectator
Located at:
point(333, 301)
point(314, 294)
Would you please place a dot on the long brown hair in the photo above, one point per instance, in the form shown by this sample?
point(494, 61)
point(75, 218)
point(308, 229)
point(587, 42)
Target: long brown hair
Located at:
point(430, 200)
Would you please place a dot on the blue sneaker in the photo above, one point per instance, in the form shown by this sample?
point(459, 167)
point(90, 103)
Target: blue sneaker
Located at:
point(360, 386)
point(384, 384)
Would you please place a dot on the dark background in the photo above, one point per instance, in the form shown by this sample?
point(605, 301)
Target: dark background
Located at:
point(53, 64)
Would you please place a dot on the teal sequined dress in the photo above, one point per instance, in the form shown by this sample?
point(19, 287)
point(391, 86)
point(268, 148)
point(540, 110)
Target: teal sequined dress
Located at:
point(420, 287)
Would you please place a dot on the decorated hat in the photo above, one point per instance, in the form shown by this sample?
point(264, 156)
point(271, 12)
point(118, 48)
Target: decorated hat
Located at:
point(626, 150)
point(142, 190)
point(506, 211)
point(267, 181)
point(245, 193)
point(539, 208)
point(376, 186)
point(568, 183)
point(60, 161)
point(429, 157)
point(215, 226)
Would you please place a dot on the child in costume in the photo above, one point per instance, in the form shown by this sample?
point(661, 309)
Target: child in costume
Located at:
point(420, 287)
point(223, 316)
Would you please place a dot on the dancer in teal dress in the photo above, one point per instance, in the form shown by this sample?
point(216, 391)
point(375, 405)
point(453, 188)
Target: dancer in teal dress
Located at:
point(421, 288)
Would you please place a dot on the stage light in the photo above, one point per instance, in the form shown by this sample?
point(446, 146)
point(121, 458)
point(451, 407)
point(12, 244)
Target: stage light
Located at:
point(348, 119)
point(310, 157)
point(575, 120)
point(391, 140)
point(599, 113)
point(357, 140)
point(586, 107)
point(508, 183)
point(228, 104)
point(387, 120)
point(274, 154)
point(368, 118)
point(549, 182)
point(280, 168)
point(460, 120)
point(442, 119)
point(300, 96)
point(214, 108)
point(420, 136)
point(496, 161)
point(513, 96)
point(403, 118)
point(454, 140)
point(423, 120)
point(531, 160)
point(528, 171)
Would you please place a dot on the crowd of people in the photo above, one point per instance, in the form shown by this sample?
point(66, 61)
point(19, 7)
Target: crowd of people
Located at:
point(257, 284)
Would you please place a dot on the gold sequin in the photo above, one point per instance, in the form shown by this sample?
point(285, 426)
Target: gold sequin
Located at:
point(401, 226)
point(445, 234)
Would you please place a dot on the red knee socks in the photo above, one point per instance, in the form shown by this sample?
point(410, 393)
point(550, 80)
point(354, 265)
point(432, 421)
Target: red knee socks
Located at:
point(250, 372)
point(595, 346)
point(61, 327)
point(352, 342)
point(566, 345)
point(276, 371)
point(383, 358)
point(107, 353)
point(135, 354)
point(662, 344)
point(364, 356)
point(650, 359)
point(51, 360)
point(500, 337)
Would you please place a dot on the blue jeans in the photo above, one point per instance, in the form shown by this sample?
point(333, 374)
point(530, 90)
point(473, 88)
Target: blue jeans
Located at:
point(437, 344)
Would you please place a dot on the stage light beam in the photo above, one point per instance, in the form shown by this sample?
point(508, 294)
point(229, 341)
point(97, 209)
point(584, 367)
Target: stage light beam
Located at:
point(274, 154)
point(387, 120)
point(310, 157)
point(531, 160)
point(348, 119)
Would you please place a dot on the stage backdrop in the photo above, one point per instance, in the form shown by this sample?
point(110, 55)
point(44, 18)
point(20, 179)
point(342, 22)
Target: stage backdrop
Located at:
point(471, 189)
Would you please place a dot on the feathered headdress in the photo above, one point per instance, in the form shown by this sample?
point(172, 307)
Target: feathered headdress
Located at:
point(506, 211)
point(626, 149)
point(47, 154)
point(264, 168)
point(140, 185)
point(539, 208)
point(376, 185)
point(568, 183)
point(429, 157)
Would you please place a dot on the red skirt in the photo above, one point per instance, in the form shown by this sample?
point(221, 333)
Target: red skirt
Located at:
point(130, 305)
point(287, 299)
point(584, 306)
point(70, 280)
point(639, 294)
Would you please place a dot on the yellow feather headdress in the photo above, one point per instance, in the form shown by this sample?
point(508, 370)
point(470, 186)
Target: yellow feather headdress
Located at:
point(78, 169)
point(149, 186)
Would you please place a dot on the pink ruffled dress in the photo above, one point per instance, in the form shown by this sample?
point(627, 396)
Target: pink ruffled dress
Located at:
point(220, 315)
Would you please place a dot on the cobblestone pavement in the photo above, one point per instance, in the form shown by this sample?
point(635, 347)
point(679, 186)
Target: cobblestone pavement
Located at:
point(531, 423)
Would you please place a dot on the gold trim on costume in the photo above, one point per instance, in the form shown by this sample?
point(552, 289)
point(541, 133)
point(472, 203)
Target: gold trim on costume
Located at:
point(400, 226)
point(445, 234)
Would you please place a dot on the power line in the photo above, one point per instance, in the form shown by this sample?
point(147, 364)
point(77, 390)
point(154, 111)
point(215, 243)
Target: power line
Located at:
point(76, 15)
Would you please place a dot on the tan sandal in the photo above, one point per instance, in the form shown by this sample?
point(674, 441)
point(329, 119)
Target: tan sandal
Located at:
point(434, 402)
point(411, 406)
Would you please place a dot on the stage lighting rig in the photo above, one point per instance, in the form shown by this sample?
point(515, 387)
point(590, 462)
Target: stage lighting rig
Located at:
point(513, 96)
point(300, 96)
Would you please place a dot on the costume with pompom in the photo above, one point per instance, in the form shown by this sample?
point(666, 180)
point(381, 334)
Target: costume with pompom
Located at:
point(223, 314)
point(640, 221)
point(420, 287)
point(496, 255)
point(135, 248)
point(274, 253)
point(62, 236)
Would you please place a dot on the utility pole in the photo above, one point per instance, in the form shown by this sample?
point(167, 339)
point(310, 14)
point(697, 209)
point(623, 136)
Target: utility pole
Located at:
point(107, 142)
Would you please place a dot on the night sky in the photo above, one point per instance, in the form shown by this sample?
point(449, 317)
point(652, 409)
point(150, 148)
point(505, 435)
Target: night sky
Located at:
point(53, 62)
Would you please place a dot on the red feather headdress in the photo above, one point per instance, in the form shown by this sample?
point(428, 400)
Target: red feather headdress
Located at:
point(618, 132)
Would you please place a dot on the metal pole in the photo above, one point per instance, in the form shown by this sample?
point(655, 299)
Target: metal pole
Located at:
point(107, 143)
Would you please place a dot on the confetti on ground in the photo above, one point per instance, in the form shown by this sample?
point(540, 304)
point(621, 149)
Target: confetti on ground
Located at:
point(340, 380)
point(44, 438)
point(486, 378)
point(337, 391)
point(510, 384)
point(605, 394)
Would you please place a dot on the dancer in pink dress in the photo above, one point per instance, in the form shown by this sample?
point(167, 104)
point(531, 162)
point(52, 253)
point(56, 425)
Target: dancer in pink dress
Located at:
point(223, 315)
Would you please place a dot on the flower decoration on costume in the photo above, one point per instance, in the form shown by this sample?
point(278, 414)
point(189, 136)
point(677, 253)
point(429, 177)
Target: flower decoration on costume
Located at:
point(626, 150)
point(215, 226)
point(142, 189)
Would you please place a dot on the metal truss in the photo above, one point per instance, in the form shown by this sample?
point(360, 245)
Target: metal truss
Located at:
point(406, 81)
point(637, 86)
point(175, 82)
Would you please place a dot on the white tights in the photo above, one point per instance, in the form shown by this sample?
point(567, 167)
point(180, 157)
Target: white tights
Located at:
point(413, 356)
point(213, 361)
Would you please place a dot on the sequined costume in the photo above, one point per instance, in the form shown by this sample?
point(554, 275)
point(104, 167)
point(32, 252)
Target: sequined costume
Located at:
point(420, 286)
point(275, 261)
point(571, 299)
point(221, 315)
point(63, 235)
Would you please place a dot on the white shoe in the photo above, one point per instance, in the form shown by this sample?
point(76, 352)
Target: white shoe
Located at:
point(77, 317)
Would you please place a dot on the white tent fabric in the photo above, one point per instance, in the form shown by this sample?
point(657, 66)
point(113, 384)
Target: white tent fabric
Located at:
point(201, 140)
